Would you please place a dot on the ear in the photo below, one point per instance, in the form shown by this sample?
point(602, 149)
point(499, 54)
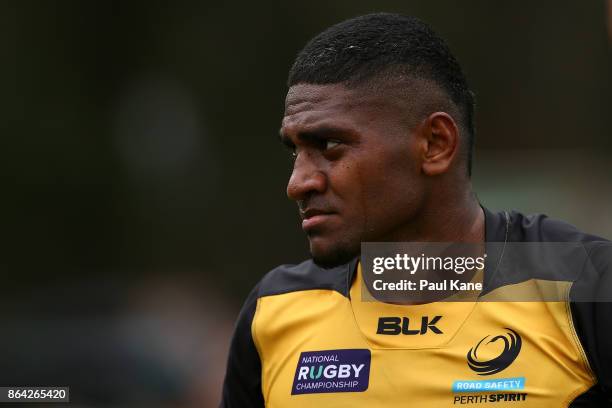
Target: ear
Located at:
point(441, 141)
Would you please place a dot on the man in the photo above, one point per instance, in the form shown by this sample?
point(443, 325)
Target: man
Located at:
point(379, 120)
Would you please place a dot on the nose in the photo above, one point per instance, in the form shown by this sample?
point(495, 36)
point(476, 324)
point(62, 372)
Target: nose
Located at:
point(306, 178)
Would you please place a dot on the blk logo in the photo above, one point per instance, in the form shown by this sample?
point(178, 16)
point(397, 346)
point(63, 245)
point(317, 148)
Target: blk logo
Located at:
point(512, 346)
point(403, 325)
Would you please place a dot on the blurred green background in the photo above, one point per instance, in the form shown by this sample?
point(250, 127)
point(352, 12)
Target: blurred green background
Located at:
point(144, 184)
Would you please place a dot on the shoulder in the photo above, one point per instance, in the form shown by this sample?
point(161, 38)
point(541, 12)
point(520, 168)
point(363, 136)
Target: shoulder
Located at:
point(306, 276)
point(525, 247)
point(533, 228)
point(541, 228)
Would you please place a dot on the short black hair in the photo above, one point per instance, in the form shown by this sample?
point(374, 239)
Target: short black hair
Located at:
point(357, 50)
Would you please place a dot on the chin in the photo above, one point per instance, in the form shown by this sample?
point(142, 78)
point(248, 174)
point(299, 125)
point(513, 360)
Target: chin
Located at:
point(330, 255)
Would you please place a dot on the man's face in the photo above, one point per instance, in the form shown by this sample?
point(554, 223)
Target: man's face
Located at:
point(356, 175)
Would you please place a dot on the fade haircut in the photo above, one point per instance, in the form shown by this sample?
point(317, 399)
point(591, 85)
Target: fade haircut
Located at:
point(387, 47)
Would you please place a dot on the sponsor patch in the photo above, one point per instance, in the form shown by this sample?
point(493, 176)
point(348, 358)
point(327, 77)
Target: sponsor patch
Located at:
point(500, 384)
point(345, 370)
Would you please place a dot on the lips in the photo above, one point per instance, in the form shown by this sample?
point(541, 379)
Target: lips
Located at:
point(314, 217)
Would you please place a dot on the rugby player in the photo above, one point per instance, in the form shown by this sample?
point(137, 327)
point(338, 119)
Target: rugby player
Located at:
point(379, 120)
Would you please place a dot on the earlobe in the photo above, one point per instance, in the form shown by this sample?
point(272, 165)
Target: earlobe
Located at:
point(442, 137)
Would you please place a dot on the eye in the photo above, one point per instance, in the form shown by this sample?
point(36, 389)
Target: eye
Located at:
point(292, 150)
point(330, 144)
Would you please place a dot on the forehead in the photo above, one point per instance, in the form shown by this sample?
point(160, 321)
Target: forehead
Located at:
point(309, 104)
point(308, 96)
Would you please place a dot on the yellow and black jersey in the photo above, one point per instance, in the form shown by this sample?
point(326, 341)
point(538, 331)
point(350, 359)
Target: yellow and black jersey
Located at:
point(304, 338)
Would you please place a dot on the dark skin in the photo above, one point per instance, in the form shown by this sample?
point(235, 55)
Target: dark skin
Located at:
point(366, 169)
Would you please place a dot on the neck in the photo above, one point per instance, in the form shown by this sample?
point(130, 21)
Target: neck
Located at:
point(455, 218)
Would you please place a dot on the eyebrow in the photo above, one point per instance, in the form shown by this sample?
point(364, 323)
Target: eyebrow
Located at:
point(316, 134)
